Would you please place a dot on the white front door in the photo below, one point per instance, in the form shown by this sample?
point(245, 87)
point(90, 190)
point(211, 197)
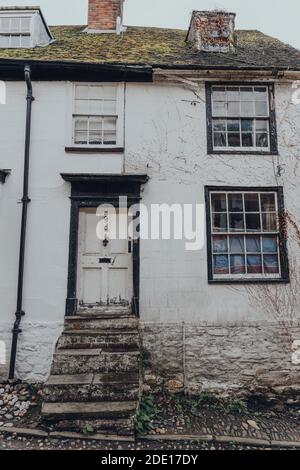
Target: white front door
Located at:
point(104, 261)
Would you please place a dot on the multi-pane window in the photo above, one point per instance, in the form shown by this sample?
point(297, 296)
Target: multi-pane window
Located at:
point(240, 118)
point(245, 234)
point(95, 117)
point(15, 32)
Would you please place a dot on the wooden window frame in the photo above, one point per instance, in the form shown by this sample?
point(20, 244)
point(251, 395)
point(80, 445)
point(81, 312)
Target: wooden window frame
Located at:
point(283, 255)
point(273, 148)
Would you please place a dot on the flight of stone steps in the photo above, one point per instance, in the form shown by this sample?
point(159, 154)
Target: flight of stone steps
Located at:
point(95, 381)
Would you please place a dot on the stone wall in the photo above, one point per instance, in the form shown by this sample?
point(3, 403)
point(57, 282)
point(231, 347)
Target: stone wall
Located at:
point(233, 360)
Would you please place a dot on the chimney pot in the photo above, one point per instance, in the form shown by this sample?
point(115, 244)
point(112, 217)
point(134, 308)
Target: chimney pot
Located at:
point(212, 31)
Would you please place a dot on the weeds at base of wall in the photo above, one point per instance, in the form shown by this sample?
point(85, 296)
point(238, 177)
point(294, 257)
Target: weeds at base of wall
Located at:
point(156, 409)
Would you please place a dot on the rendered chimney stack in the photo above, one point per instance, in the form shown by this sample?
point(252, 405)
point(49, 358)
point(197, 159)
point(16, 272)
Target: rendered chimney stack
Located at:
point(105, 16)
point(212, 31)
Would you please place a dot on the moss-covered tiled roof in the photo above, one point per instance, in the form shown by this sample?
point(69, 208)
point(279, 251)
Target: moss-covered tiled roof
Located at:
point(159, 47)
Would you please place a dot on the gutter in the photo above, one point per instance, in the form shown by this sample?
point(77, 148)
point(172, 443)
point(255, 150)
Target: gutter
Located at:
point(25, 201)
point(13, 69)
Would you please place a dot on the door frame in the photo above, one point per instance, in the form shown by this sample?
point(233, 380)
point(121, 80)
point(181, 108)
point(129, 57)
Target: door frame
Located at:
point(90, 190)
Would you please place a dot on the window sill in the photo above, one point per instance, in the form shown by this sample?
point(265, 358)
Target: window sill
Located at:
point(94, 149)
point(250, 281)
point(242, 152)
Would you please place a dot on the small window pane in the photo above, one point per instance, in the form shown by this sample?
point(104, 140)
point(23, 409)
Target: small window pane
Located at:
point(233, 94)
point(236, 244)
point(247, 94)
point(269, 244)
point(268, 202)
point(109, 107)
point(251, 202)
point(261, 94)
point(234, 140)
point(220, 222)
point(269, 222)
point(253, 244)
point(233, 125)
point(254, 264)
point(220, 244)
point(247, 109)
point(219, 109)
point(247, 125)
point(262, 140)
point(236, 222)
point(25, 41)
point(219, 126)
point(4, 25)
point(109, 138)
point(81, 138)
point(4, 41)
point(81, 92)
point(95, 137)
point(253, 223)
point(271, 265)
point(219, 139)
point(221, 265)
point(247, 140)
point(262, 125)
point(219, 203)
point(25, 25)
point(15, 25)
point(82, 107)
point(15, 41)
point(261, 108)
point(234, 108)
point(237, 264)
point(102, 93)
point(219, 94)
point(81, 125)
point(235, 202)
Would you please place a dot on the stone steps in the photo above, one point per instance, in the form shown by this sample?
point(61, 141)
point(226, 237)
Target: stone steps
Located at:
point(106, 410)
point(95, 379)
point(84, 361)
point(100, 322)
point(110, 340)
point(92, 387)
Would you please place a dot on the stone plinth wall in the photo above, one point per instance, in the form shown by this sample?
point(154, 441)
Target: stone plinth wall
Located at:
point(231, 360)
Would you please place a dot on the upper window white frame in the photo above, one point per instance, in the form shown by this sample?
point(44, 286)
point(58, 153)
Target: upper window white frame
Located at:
point(98, 115)
point(15, 31)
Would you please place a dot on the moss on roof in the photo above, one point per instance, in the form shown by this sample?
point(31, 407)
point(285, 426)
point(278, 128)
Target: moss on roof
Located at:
point(159, 47)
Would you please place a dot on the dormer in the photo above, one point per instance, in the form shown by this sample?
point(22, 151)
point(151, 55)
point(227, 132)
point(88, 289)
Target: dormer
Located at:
point(23, 27)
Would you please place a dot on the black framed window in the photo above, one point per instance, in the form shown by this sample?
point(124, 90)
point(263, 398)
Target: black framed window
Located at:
point(245, 235)
point(241, 118)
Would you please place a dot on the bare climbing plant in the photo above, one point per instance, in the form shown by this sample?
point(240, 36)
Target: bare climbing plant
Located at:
point(281, 301)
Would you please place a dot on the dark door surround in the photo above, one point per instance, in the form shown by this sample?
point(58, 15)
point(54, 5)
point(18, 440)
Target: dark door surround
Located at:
point(90, 190)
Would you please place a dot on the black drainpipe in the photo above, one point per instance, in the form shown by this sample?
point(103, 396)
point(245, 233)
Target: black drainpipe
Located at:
point(25, 201)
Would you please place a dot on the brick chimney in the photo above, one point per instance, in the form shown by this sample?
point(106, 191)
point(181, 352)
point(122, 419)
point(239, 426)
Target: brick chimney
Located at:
point(105, 16)
point(212, 31)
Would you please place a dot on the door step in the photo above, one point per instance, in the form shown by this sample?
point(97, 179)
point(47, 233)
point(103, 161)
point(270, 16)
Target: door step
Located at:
point(95, 377)
point(101, 322)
